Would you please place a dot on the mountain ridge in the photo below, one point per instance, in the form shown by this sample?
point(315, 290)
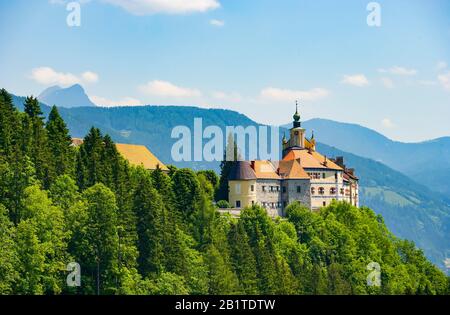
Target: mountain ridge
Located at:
point(72, 96)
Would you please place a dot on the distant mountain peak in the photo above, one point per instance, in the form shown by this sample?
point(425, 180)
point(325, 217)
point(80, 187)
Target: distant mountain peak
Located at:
point(72, 96)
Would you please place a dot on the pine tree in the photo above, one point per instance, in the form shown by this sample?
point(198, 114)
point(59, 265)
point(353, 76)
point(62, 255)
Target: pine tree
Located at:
point(9, 262)
point(100, 248)
point(9, 124)
point(60, 144)
point(148, 207)
point(38, 146)
point(89, 164)
point(242, 258)
point(230, 155)
point(222, 279)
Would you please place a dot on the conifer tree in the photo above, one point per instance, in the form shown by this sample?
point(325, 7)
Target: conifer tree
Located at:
point(221, 278)
point(9, 263)
point(100, 247)
point(148, 206)
point(242, 258)
point(38, 147)
point(60, 144)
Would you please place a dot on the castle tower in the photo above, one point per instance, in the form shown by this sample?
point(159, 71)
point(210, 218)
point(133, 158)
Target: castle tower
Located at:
point(297, 134)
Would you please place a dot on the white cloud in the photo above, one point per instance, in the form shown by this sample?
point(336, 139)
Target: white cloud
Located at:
point(105, 102)
point(447, 263)
point(359, 80)
point(444, 80)
point(167, 89)
point(90, 77)
point(285, 95)
point(387, 123)
point(49, 76)
point(218, 23)
point(399, 71)
point(387, 83)
point(145, 7)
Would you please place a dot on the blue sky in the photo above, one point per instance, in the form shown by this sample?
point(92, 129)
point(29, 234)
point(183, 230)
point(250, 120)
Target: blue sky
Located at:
point(253, 56)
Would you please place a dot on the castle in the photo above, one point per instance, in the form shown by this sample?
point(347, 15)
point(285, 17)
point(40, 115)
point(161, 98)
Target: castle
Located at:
point(302, 175)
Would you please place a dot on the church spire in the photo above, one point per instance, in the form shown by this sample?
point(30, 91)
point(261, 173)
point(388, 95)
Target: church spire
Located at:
point(296, 116)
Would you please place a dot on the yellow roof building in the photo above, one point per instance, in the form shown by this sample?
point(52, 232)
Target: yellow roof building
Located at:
point(137, 155)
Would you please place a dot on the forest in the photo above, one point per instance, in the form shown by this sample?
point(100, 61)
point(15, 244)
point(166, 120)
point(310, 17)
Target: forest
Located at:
point(139, 232)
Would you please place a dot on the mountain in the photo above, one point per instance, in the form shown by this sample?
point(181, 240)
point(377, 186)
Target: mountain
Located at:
point(426, 162)
point(410, 209)
point(73, 96)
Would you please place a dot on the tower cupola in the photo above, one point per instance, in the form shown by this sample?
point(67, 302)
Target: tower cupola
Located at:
point(296, 117)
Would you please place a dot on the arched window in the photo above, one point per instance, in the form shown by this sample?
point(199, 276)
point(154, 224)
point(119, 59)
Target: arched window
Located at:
point(321, 190)
point(332, 191)
point(313, 190)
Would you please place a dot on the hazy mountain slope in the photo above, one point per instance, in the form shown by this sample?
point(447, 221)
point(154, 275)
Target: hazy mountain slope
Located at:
point(73, 96)
point(409, 209)
point(427, 162)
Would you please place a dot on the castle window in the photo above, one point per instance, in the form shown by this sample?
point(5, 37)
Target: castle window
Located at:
point(238, 203)
point(313, 190)
point(321, 190)
point(253, 202)
point(252, 188)
point(332, 190)
point(263, 188)
point(284, 189)
point(299, 189)
point(278, 188)
point(336, 176)
point(237, 188)
point(323, 175)
point(342, 191)
point(324, 203)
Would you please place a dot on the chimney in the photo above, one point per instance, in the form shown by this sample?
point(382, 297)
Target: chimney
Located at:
point(340, 161)
point(351, 171)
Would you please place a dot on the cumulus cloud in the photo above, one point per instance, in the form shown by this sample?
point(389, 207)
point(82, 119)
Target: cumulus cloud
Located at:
point(359, 80)
point(105, 102)
point(167, 89)
point(218, 23)
point(387, 123)
point(146, 7)
point(396, 70)
point(90, 77)
point(447, 263)
point(444, 80)
point(286, 95)
point(49, 76)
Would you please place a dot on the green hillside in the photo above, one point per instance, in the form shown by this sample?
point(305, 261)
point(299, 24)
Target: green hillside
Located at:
point(410, 210)
point(81, 220)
